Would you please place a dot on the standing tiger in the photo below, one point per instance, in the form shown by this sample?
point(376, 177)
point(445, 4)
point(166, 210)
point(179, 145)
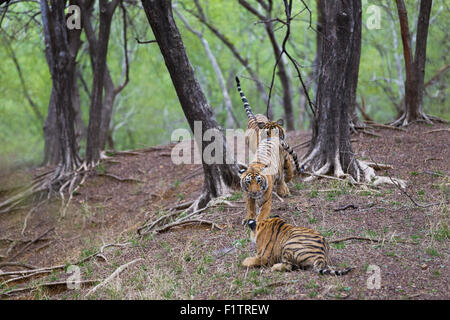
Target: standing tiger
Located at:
point(270, 168)
point(259, 127)
point(285, 247)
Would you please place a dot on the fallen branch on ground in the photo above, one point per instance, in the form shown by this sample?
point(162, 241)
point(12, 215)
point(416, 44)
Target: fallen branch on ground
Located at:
point(369, 239)
point(46, 284)
point(112, 276)
point(119, 178)
point(31, 243)
point(438, 130)
point(177, 224)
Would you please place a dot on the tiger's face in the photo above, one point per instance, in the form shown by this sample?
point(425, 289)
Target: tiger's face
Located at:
point(272, 129)
point(254, 183)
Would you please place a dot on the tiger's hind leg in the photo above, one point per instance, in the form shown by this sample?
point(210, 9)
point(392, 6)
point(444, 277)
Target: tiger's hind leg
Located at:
point(283, 189)
point(282, 267)
point(288, 169)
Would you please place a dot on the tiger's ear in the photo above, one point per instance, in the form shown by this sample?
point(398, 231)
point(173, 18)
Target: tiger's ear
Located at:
point(280, 122)
point(241, 171)
point(260, 125)
point(251, 224)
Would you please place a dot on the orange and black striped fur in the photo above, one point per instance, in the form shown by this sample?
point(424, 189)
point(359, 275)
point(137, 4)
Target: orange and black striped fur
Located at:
point(259, 127)
point(270, 168)
point(285, 247)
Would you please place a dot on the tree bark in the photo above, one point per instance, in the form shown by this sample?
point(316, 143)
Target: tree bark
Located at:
point(331, 149)
point(52, 146)
point(414, 65)
point(61, 61)
point(94, 140)
point(219, 178)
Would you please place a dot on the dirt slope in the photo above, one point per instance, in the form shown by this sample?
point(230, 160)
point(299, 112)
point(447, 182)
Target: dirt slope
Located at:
point(199, 263)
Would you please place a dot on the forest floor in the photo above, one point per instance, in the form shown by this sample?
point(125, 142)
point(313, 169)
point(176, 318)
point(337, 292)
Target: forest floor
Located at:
point(410, 251)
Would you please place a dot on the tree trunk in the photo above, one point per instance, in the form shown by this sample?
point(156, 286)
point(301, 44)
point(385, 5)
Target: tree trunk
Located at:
point(219, 178)
point(331, 149)
point(51, 134)
point(61, 60)
point(414, 65)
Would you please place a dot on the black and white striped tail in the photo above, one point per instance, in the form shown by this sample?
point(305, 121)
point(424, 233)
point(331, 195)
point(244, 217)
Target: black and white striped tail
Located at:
point(247, 108)
point(334, 272)
point(298, 168)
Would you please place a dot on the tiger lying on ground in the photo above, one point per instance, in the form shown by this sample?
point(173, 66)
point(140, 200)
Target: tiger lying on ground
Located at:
point(269, 169)
point(285, 247)
point(259, 127)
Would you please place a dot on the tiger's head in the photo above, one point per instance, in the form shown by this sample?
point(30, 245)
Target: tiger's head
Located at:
point(272, 129)
point(254, 182)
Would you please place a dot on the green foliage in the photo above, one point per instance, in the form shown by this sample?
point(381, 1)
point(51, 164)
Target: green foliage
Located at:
point(147, 110)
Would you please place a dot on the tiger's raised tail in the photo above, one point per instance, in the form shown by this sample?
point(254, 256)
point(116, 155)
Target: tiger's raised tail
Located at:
point(298, 168)
point(247, 108)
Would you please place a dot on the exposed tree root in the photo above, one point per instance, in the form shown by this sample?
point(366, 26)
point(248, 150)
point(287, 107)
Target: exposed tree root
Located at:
point(60, 181)
point(404, 122)
point(174, 219)
point(357, 172)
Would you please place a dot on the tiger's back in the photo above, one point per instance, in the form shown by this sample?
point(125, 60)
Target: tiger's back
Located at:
point(259, 128)
point(285, 247)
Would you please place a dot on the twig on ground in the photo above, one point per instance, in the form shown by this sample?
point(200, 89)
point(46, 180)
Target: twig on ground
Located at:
point(119, 178)
point(113, 275)
point(438, 130)
point(196, 221)
point(385, 126)
point(17, 264)
point(369, 239)
point(406, 193)
point(30, 243)
point(29, 214)
point(46, 284)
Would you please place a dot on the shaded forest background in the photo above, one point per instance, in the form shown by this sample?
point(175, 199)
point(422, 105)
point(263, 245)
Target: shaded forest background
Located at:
point(147, 110)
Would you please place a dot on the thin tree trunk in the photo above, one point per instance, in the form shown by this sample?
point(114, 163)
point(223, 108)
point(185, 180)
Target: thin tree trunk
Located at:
point(421, 53)
point(219, 178)
point(200, 15)
point(231, 119)
point(284, 78)
point(414, 65)
point(94, 142)
point(282, 71)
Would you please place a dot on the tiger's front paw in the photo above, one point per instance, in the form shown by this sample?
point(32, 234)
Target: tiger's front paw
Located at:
point(281, 267)
point(250, 262)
